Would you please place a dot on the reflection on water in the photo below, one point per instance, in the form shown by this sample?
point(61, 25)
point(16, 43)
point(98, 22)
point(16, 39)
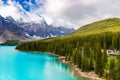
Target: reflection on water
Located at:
point(16, 65)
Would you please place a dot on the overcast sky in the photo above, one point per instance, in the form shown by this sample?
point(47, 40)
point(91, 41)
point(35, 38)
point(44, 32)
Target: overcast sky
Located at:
point(72, 12)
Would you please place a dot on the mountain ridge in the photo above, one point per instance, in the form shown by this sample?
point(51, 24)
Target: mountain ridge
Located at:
point(44, 30)
point(16, 30)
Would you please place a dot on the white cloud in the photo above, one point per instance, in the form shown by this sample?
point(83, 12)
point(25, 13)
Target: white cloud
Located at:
point(54, 7)
point(9, 10)
point(72, 12)
point(81, 12)
point(15, 10)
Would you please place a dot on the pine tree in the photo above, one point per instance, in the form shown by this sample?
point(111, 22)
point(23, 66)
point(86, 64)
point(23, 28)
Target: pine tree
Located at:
point(84, 63)
point(104, 58)
point(112, 71)
point(91, 65)
point(78, 58)
point(86, 49)
point(74, 55)
point(98, 62)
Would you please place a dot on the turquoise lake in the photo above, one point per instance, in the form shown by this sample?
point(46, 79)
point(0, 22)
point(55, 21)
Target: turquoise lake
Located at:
point(16, 65)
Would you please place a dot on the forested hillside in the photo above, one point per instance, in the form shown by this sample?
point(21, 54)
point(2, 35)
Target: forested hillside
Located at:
point(86, 47)
point(111, 25)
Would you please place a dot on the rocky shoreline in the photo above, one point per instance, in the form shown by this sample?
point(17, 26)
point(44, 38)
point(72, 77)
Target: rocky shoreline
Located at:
point(89, 75)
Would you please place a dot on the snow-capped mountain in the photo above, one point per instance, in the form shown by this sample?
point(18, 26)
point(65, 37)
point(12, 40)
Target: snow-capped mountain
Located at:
point(14, 30)
point(44, 30)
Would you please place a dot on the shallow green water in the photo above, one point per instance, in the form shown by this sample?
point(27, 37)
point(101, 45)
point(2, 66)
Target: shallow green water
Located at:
point(16, 65)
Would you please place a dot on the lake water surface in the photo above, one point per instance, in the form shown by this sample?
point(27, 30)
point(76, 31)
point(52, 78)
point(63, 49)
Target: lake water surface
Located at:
point(16, 65)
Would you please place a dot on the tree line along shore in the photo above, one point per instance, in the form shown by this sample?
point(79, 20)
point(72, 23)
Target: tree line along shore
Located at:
point(87, 52)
